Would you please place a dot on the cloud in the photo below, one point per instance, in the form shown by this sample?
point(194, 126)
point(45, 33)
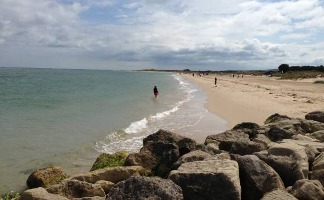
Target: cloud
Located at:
point(169, 33)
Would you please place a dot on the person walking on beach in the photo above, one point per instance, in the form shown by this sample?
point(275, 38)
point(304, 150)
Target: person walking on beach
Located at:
point(215, 81)
point(155, 91)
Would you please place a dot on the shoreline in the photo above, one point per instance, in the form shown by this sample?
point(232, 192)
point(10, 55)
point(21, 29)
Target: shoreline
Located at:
point(255, 98)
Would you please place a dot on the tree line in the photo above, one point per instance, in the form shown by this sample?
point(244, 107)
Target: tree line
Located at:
point(283, 68)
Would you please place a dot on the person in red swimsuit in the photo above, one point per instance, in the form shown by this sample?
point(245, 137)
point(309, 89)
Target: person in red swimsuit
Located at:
point(155, 91)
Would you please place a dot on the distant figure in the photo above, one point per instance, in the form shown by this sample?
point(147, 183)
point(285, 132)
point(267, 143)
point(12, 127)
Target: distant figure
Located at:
point(193, 75)
point(215, 81)
point(233, 75)
point(155, 91)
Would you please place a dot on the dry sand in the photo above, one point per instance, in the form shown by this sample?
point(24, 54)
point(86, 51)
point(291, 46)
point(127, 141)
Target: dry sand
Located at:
point(254, 98)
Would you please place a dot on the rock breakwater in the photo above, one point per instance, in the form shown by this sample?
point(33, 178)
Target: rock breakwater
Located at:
point(282, 159)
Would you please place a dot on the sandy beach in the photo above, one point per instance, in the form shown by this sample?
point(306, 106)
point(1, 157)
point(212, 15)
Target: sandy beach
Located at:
point(254, 98)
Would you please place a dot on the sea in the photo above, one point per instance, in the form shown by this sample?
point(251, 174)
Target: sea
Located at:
point(67, 118)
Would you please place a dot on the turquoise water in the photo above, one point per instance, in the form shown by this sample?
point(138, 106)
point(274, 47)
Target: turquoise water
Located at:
point(68, 117)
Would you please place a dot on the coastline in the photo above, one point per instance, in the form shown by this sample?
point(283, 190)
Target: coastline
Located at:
point(255, 98)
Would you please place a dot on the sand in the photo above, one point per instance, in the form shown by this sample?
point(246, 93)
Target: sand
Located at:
point(255, 98)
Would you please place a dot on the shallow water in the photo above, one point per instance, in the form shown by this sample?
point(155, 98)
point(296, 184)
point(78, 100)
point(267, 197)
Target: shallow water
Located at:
point(68, 117)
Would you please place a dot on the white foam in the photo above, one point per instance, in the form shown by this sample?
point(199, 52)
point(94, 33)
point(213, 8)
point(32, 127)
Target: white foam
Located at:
point(137, 126)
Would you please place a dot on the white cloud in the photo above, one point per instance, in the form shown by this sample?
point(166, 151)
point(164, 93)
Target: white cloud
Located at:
point(162, 33)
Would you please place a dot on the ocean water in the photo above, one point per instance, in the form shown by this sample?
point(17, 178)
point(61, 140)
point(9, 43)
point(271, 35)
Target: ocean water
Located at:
point(68, 117)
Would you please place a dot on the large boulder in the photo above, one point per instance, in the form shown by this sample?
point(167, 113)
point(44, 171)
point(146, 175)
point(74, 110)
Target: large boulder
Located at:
point(277, 134)
point(318, 168)
point(245, 147)
point(250, 128)
point(160, 151)
point(77, 189)
point(190, 157)
point(291, 126)
point(210, 179)
point(288, 159)
point(110, 160)
point(46, 177)
point(307, 190)
point(278, 195)
point(227, 137)
point(113, 174)
point(257, 178)
point(40, 194)
point(318, 135)
point(145, 188)
point(311, 126)
point(316, 116)
point(276, 118)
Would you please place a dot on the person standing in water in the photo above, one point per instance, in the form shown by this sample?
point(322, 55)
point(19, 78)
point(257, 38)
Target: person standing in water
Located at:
point(155, 91)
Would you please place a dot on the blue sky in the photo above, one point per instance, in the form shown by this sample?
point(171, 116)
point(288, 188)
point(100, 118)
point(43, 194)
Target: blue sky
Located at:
point(162, 34)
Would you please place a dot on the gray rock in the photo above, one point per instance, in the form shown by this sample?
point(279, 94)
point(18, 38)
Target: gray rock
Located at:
point(307, 190)
point(318, 135)
point(77, 189)
point(113, 174)
point(145, 188)
point(46, 177)
point(190, 157)
point(250, 128)
point(288, 159)
point(227, 136)
point(106, 185)
point(210, 148)
point(311, 126)
point(316, 116)
point(245, 147)
point(318, 169)
point(276, 118)
point(211, 179)
point(90, 198)
point(277, 134)
point(278, 195)
point(40, 194)
point(290, 126)
point(257, 178)
point(304, 137)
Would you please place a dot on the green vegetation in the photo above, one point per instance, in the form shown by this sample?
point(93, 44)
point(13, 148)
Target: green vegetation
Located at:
point(10, 196)
point(110, 160)
point(294, 75)
point(319, 82)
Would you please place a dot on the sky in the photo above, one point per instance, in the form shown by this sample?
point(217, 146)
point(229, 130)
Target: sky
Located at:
point(161, 34)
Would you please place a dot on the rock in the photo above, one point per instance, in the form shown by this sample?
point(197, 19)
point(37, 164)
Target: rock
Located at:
point(257, 178)
point(307, 190)
point(316, 116)
point(288, 159)
point(211, 148)
point(186, 145)
point(76, 189)
point(276, 118)
point(113, 174)
point(303, 137)
point(220, 156)
point(40, 194)
point(160, 151)
point(190, 157)
point(46, 177)
point(311, 126)
point(261, 138)
point(106, 185)
point(245, 147)
point(145, 188)
point(249, 128)
point(162, 136)
point(110, 160)
point(318, 135)
point(144, 158)
point(90, 198)
point(278, 195)
point(318, 169)
point(211, 179)
point(291, 126)
point(227, 136)
point(277, 134)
